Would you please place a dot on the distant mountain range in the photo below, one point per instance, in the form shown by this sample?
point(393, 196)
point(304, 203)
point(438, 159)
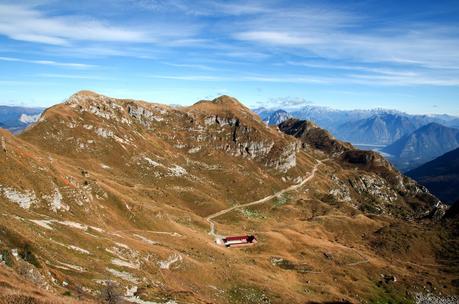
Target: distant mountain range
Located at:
point(15, 119)
point(374, 127)
point(440, 176)
point(407, 140)
point(423, 145)
point(381, 129)
point(276, 117)
point(324, 117)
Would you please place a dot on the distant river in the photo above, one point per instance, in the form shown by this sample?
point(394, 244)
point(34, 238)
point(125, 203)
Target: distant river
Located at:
point(371, 147)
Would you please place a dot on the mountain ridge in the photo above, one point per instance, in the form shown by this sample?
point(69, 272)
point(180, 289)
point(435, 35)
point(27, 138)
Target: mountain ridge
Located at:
point(440, 176)
point(356, 125)
point(102, 189)
point(423, 145)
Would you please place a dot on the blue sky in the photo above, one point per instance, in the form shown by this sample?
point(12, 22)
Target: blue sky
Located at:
point(343, 54)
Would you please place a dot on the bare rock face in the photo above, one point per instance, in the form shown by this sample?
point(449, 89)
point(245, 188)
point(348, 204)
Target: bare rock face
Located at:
point(376, 188)
point(99, 105)
point(340, 190)
point(286, 159)
point(3, 144)
point(390, 185)
point(234, 129)
point(248, 142)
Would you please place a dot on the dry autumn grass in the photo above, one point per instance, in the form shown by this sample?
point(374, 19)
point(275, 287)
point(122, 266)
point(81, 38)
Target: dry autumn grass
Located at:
point(103, 190)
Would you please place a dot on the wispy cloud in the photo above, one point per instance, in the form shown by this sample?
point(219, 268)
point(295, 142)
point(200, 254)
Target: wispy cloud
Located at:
point(29, 24)
point(287, 102)
point(256, 47)
point(394, 80)
point(73, 76)
point(331, 66)
point(361, 79)
point(337, 34)
point(205, 7)
point(278, 38)
point(189, 77)
point(49, 62)
point(248, 78)
point(191, 66)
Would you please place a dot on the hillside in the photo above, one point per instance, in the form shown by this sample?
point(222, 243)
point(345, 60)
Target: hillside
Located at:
point(104, 190)
point(440, 176)
point(423, 145)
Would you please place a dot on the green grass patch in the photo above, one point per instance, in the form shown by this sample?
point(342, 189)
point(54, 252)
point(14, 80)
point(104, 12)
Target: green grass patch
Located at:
point(247, 295)
point(281, 200)
point(252, 214)
point(388, 294)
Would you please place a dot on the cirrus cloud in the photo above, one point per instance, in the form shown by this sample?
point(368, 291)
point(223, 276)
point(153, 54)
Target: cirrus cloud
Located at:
point(29, 24)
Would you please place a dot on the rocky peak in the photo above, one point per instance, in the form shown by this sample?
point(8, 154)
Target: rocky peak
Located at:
point(225, 99)
point(226, 106)
point(222, 100)
point(367, 159)
point(313, 136)
point(86, 93)
point(85, 99)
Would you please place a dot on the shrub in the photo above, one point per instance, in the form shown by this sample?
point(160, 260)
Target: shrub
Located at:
point(111, 293)
point(6, 257)
point(28, 256)
point(281, 200)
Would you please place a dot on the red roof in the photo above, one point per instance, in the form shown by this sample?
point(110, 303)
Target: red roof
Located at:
point(237, 238)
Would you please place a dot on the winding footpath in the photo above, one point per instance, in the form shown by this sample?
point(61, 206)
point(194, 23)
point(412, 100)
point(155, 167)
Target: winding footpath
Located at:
point(210, 218)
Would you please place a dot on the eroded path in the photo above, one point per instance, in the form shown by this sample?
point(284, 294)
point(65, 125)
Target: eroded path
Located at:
point(210, 218)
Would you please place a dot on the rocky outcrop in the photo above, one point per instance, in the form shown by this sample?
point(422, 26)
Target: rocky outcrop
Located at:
point(369, 160)
point(379, 186)
point(248, 142)
point(388, 185)
point(340, 190)
point(312, 136)
point(374, 187)
point(3, 144)
point(286, 159)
